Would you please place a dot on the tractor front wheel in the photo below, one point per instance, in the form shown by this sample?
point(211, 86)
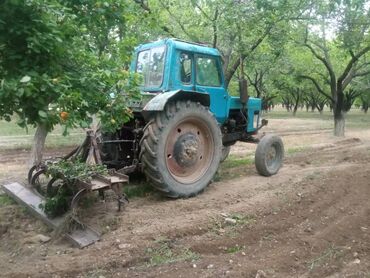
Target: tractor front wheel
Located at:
point(181, 149)
point(269, 155)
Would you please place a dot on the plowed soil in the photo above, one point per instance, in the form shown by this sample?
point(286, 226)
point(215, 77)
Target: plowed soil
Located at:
point(312, 219)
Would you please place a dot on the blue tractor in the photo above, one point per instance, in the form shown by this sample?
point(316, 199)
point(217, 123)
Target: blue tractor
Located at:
point(186, 121)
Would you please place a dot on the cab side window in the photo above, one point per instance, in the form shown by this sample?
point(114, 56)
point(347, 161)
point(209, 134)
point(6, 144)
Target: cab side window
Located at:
point(185, 68)
point(207, 71)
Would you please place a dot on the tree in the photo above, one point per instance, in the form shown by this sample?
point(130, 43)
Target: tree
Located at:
point(315, 100)
point(365, 102)
point(51, 74)
point(236, 28)
point(342, 58)
point(291, 93)
point(349, 98)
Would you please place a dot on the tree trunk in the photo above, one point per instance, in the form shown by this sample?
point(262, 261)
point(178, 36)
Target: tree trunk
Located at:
point(339, 123)
point(38, 145)
point(295, 108)
point(338, 110)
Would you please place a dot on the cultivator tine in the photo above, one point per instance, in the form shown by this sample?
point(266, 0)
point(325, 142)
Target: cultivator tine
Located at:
point(122, 201)
point(121, 197)
point(30, 173)
point(76, 199)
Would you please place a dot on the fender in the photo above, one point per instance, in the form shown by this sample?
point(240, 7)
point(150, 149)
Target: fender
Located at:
point(159, 102)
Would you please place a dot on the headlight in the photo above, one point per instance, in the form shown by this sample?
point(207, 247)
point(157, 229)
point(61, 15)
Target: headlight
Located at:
point(256, 120)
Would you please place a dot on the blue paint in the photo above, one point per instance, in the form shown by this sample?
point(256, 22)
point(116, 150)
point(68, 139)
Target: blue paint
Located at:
point(220, 100)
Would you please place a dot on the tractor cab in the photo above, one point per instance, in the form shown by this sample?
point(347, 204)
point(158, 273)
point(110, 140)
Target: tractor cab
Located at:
point(173, 69)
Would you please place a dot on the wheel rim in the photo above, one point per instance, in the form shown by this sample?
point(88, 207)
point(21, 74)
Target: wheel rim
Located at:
point(273, 156)
point(40, 180)
point(53, 186)
point(189, 150)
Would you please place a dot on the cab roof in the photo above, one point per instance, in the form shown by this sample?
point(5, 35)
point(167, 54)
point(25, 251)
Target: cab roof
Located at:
point(182, 45)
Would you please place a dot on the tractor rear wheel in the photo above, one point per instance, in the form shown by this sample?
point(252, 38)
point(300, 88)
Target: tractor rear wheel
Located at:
point(181, 149)
point(269, 155)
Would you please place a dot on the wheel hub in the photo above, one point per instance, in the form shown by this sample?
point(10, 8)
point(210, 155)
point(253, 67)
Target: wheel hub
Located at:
point(189, 150)
point(186, 150)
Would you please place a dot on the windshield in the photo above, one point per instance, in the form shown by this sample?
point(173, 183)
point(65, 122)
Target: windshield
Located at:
point(150, 63)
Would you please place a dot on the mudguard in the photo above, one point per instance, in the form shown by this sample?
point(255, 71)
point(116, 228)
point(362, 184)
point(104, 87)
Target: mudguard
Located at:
point(159, 102)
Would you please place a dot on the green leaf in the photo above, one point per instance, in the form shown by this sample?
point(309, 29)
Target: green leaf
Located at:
point(84, 124)
point(43, 114)
point(25, 79)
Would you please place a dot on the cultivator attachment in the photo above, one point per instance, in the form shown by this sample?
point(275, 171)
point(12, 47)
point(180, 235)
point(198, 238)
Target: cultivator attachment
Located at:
point(47, 186)
point(90, 153)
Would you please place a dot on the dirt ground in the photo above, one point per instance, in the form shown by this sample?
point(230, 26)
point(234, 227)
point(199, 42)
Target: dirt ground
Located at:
point(310, 220)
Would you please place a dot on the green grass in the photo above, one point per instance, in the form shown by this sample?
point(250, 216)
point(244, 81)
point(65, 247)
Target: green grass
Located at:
point(14, 137)
point(220, 227)
point(294, 150)
point(283, 114)
point(326, 256)
point(96, 273)
point(233, 167)
point(234, 249)
point(138, 190)
point(243, 219)
point(163, 252)
point(5, 200)
point(236, 161)
point(354, 119)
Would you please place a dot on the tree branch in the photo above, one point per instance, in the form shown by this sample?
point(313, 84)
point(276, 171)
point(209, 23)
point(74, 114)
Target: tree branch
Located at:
point(229, 74)
point(319, 89)
point(321, 58)
point(145, 7)
point(190, 36)
point(214, 26)
point(347, 71)
point(363, 73)
point(201, 10)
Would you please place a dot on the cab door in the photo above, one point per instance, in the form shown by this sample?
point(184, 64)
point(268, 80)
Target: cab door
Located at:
point(184, 73)
point(208, 79)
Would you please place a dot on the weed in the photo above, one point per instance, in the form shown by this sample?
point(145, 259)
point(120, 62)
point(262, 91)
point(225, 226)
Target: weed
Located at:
point(5, 200)
point(233, 162)
point(330, 253)
point(218, 225)
point(243, 220)
point(294, 150)
point(217, 177)
point(165, 252)
point(139, 190)
point(232, 167)
point(268, 237)
point(96, 273)
point(234, 249)
point(109, 224)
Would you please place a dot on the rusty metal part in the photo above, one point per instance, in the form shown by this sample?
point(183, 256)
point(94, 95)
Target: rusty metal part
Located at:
point(113, 180)
point(54, 185)
point(31, 172)
point(39, 180)
point(189, 150)
point(88, 151)
point(76, 198)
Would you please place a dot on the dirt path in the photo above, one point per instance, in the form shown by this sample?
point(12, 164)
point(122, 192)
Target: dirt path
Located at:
point(310, 220)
